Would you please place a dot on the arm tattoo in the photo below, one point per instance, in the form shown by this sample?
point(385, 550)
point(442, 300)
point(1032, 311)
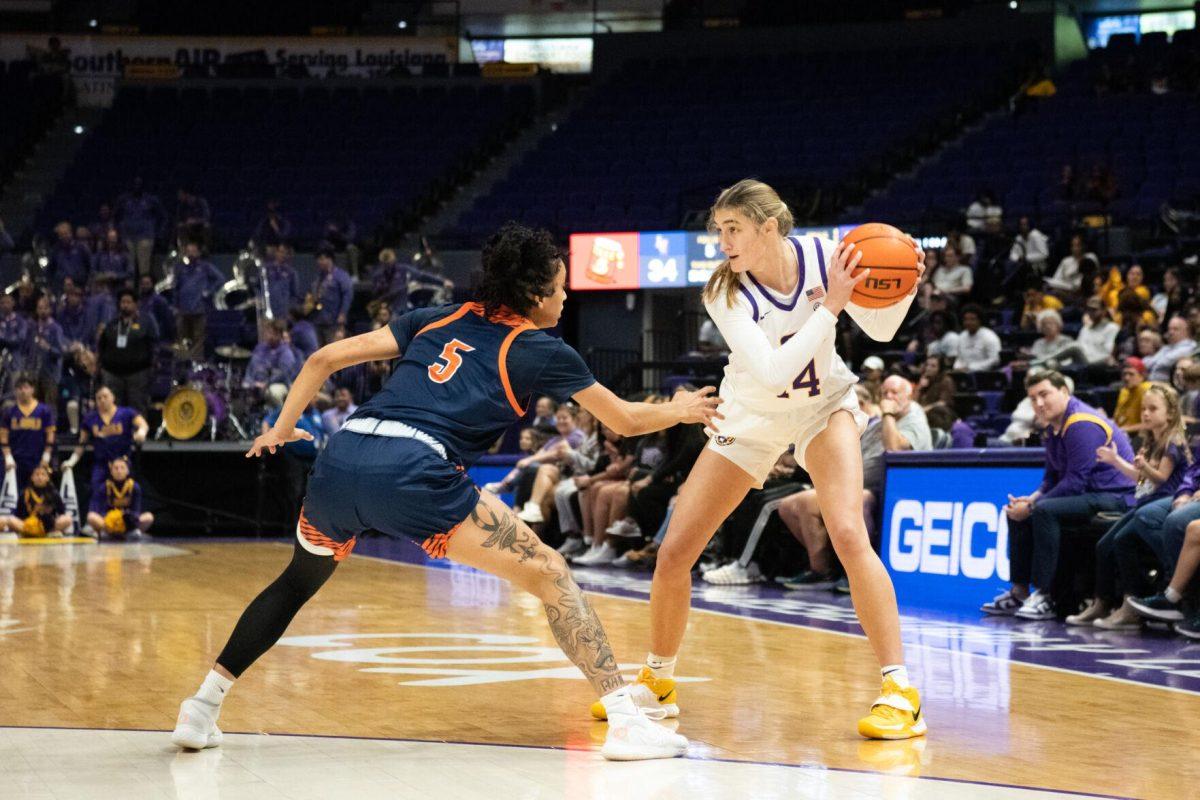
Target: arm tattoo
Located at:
point(572, 619)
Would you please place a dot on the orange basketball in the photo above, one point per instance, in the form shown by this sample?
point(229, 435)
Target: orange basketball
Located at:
point(888, 252)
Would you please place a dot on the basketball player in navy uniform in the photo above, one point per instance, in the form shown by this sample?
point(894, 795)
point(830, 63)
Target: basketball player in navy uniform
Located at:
point(399, 467)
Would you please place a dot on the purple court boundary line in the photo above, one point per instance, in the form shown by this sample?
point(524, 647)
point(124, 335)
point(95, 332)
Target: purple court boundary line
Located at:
point(591, 750)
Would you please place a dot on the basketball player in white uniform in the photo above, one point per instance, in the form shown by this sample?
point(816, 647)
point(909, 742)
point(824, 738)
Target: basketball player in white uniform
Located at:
point(776, 301)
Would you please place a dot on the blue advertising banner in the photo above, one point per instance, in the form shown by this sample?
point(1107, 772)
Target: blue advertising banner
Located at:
point(945, 534)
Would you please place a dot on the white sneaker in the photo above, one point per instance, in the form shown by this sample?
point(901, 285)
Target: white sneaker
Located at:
point(1036, 607)
point(197, 728)
point(605, 554)
point(573, 546)
point(634, 737)
point(531, 513)
point(734, 575)
point(625, 528)
point(1004, 604)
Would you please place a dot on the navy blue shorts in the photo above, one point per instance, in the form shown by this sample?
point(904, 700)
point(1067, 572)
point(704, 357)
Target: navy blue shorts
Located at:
point(398, 486)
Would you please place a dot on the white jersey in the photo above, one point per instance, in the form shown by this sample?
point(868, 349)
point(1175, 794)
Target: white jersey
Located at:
point(782, 354)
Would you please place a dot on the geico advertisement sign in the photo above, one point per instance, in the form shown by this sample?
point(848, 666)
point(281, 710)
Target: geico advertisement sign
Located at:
point(939, 537)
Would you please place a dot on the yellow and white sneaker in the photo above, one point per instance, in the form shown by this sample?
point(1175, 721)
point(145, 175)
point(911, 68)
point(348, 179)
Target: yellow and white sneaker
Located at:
point(651, 693)
point(895, 714)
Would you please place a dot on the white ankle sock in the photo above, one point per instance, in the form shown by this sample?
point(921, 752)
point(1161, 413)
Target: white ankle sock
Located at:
point(661, 666)
point(898, 673)
point(619, 702)
point(1172, 595)
point(213, 690)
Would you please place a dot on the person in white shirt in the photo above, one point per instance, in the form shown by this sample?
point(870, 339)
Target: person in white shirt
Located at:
point(1030, 246)
point(984, 211)
point(953, 278)
point(1179, 343)
point(978, 347)
point(777, 301)
point(1098, 338)
point(964, 243)
point(1054, 344)
point(1068, 277)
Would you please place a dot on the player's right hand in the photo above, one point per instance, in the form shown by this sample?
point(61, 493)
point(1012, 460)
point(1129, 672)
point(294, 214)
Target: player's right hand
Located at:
point(277, 438)
point(841, 276)
point(699, 406)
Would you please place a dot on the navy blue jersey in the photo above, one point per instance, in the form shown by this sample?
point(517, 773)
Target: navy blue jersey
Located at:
point(464, 378)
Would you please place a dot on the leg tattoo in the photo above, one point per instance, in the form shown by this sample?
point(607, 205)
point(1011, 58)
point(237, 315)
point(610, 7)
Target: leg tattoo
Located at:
point(575, 625)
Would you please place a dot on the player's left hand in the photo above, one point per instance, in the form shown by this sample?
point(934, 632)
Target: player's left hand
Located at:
point(277, 438)
point(920, 265)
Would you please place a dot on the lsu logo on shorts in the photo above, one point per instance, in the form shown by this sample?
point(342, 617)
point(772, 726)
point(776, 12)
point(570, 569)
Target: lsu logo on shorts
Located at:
point(723, 441)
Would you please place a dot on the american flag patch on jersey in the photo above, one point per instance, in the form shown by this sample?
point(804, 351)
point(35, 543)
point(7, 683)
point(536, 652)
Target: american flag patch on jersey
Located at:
point(815, 293)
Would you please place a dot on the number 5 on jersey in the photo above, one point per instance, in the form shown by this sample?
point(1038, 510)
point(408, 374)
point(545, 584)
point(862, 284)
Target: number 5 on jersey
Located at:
point(442, 372)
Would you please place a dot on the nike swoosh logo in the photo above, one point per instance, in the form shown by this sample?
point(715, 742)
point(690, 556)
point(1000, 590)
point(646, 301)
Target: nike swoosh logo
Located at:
point(917, 715)
point(663, 698)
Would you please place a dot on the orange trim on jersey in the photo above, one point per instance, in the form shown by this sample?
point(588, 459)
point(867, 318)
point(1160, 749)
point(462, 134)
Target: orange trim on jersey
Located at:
point(508, 340)
point(461, 312)
point(435, 546)
point(314, 537)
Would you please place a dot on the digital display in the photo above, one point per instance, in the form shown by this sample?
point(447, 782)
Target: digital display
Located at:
point(604, 261)
point(1100, 29)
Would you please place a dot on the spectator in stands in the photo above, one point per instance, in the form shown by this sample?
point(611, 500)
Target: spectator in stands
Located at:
point(1179, 343)
point(14, 332)
point(609, 504)
point(1179, 374)
point(114, 429)
point(529, 442)
point(298, 457)
point(1128, 413)
point(340, 235)
point(1101, 185)
point(1148, 342)
point(1098, 336)
point(1067, 186)
point(1189, 399)
point(935, 335)
point(100, 307)
point(152, 305)
point(1054, 347)
point(27, 296)
point(283, 287)
point(1173, 299)
point(1158, 469)
point(579, 463)
point(1037, 301)
point(543, 414)
point(390, 281)
point(44, 351)
point(118, 510)
point(274, 229)
point(343, 407)
point(871, 376)
point(1076, 486)
point(619, 454)
point(68, 259)
point(103, 224)
point(83, 236)
point(72, 318)
point(40, 510)
point(552, 453)
point(947, 430)
point(273, 365)
point(27, 432)
point(1068, 276)
point(302, 332)
point(112, 258)
point(1030, 248)
point(952, 278)
point(332, 293)
point(195, 281)
point(650, 494)
point(935, 384)
point(984, 211)
point(126, 352)
point(193, 218)
point(141, 220)
point(1133, 298)
point(963, 244)
point(903, 426)
point(978, 347)
point(382, 316)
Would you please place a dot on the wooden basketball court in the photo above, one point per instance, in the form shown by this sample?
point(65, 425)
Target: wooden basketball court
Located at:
point(411, 680)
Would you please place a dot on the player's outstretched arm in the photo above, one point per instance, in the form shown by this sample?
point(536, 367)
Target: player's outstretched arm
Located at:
point(634, 419)
point(378, 345)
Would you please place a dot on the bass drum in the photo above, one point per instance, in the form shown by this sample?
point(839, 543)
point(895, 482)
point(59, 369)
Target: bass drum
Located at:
point(187, 409)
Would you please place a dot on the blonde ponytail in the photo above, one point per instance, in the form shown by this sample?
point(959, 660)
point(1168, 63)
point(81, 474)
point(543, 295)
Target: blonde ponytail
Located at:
point(759, 203)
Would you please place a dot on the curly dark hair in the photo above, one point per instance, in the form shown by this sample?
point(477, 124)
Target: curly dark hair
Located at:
point(519, 264)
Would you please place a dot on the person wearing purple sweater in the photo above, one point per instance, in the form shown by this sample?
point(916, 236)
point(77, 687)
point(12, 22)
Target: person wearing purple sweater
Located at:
point(112, 258)
point(68, 258)
point(332, 292)
point(1076, 486)
point(196, 279)
point(140, 218)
